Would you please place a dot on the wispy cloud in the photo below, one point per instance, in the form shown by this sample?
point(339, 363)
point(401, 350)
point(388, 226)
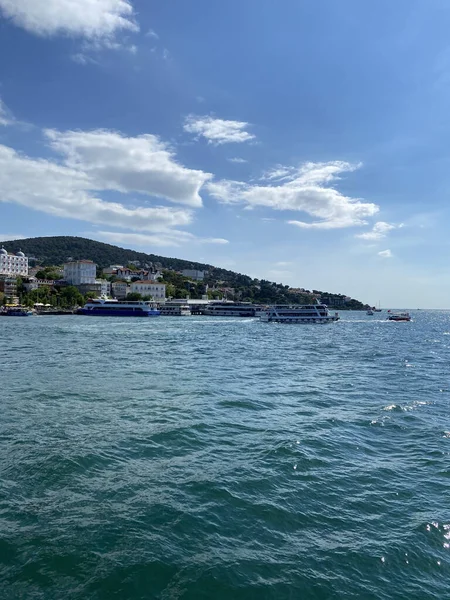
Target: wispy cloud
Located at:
point(218, 131)
point(152, 33)
point(174, 238)
point(308, 189)
point(385, 254)
point(6, 117)
point(237, 160)
point(379, 231)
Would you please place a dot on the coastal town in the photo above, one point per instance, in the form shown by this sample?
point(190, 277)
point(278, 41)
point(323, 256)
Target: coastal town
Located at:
point(66, 288)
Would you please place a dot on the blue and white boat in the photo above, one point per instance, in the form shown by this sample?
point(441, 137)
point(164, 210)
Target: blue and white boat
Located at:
point(118, 308)
point(15, 311)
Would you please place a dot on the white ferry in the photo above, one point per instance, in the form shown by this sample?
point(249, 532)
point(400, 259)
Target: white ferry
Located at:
point(311, 313)
point(230, 309)
point(100, 307)
point(175, 309)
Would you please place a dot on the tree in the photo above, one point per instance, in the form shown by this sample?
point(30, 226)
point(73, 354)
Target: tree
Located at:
point(134, 297)
point(48, 273)
point(71, 296)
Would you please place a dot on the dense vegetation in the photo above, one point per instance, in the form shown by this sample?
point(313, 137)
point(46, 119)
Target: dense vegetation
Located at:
point(51, 252)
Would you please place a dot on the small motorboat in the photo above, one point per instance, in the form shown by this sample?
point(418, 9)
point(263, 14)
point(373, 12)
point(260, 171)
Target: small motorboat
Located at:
point(369, 312)
point(399, 316)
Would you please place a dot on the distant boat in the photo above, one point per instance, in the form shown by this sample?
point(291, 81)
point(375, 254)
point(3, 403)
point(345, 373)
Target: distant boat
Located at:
point(399, 316)
point(369, 312)
point(116, 308)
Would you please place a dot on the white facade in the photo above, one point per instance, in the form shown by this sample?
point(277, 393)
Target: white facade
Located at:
point(149, 288)
point(105, 289)
point(13, 265)
point(79, 272)
point(194, 274)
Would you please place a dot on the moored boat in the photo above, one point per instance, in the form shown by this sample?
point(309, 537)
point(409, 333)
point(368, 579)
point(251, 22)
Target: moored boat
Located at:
point(230, 309)
point(15, 311)
point(175, 309)
point(118, 308)
point(310, 313)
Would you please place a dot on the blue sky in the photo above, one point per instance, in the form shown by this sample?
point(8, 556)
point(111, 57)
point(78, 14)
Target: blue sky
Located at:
point(302, 142)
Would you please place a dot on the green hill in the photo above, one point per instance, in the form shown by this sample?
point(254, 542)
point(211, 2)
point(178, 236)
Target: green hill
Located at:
point(58, 249)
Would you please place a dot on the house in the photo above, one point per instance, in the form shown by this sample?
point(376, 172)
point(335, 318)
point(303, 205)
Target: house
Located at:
point(80, 272)
point(149, 288)
point(120, 289)
point(194, 274)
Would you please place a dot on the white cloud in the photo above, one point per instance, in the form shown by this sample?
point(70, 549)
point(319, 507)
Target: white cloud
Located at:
point(308, 190)
point(152, 33)
point(8, 237)
point(385, 254)
point(167, 238)
point(141, 164)
point(5, 114)
point(218, 131)
point(379, 231)
point(69, 190)
point(79, 18)
point(237, 160)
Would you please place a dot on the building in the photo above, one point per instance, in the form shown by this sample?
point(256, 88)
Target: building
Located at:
point(8, 286)
point(112, 269)
point(80, 272)
point(14, 265)
point(31, 283)
point(128, 274)
point(120, 289)
point(149, 288)
point(105, 287)
point(194, 274)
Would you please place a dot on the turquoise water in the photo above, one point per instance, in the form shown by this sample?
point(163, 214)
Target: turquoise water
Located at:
point(224, 458)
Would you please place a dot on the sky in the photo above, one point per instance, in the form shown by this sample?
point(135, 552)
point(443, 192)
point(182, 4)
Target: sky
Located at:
point(302, 142)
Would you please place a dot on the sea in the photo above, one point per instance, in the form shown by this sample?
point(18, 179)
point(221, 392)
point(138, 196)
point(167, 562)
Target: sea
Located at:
point(224, 458)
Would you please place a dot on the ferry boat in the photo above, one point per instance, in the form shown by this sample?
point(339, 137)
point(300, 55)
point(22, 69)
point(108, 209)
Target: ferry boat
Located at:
point(231, 309)
point(175, 309)
point(15, 311)
point(310, 313)
point(399, 316)
point(118, 308)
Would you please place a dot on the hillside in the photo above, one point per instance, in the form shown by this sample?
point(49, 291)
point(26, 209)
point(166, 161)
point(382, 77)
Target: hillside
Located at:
point(58, 249)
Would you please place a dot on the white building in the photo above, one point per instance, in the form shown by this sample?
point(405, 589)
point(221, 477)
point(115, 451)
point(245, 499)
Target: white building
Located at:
point(105, 287)
point(149, 288)
point(79, 272)
point(13, 265)
point(194, 274)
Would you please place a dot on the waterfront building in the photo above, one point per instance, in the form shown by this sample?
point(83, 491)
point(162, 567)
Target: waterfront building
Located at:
point(80, 272)
point(15, 265)
point(194, 274)
point(8, 286)
point(149, 288)
point(120, 289)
